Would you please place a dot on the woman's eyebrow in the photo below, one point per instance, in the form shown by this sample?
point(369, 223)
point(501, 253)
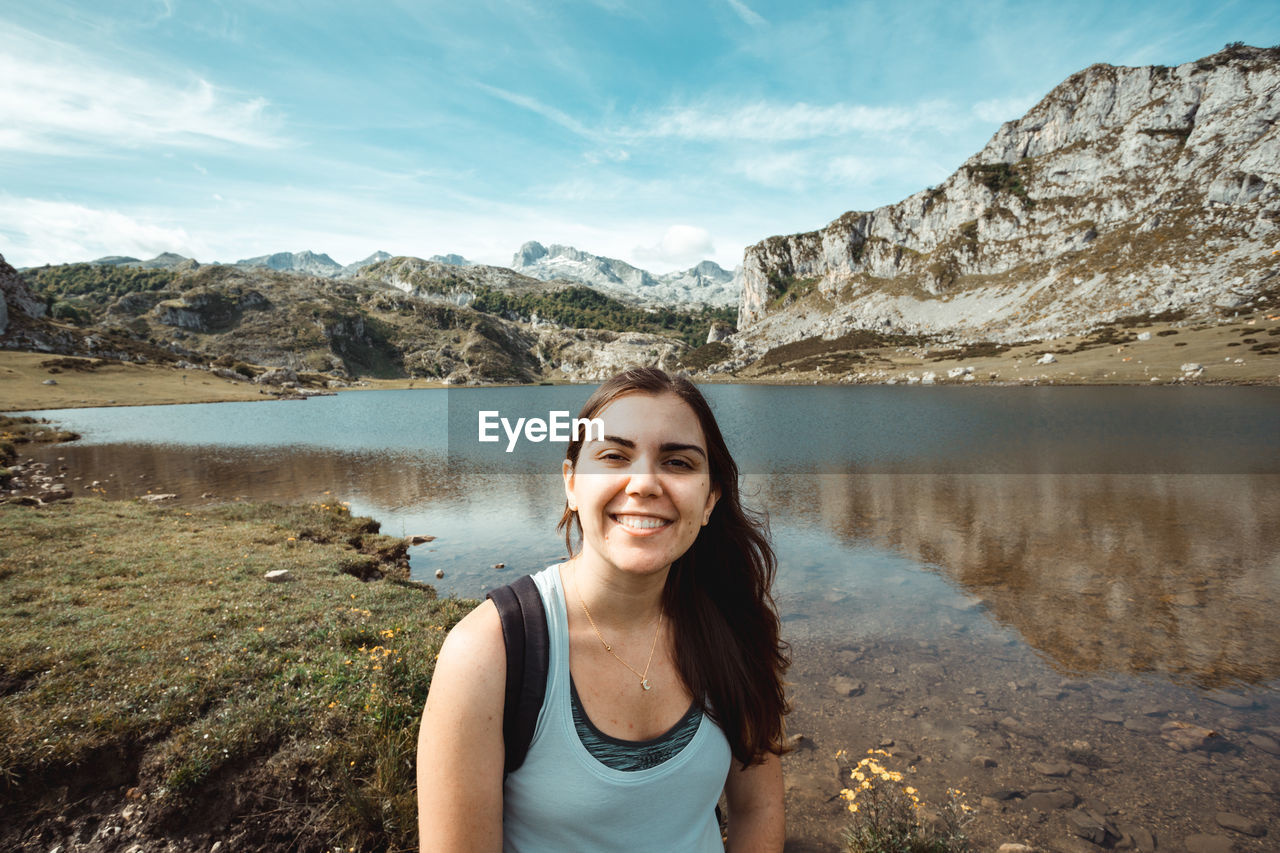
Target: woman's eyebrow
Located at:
point(671, 445)
point(665, 448)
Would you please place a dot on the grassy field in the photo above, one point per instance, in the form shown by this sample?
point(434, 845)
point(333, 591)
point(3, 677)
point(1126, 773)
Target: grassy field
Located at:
point(1241, 351)
point(156, 688)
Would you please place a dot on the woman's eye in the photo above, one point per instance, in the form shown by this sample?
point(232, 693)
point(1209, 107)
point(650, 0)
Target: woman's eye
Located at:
point(680, 463)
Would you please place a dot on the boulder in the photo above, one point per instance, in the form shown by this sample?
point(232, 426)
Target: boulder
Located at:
point(277, 376)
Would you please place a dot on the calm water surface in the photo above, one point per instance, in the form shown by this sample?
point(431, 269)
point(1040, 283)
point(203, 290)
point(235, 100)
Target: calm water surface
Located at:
point(1022, 574)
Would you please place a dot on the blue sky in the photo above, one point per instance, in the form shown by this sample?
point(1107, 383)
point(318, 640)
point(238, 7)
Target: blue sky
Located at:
point(656, 132)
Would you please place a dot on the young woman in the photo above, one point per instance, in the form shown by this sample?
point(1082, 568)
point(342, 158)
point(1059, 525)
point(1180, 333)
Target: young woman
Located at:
point(665, 678)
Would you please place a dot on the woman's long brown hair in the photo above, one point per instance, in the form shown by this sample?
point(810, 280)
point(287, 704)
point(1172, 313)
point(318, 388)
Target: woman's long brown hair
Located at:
point(718, 593)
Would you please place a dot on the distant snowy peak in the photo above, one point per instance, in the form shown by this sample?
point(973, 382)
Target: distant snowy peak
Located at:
point(452, 260)
point(353, 268)
point(310, 263)
point(705, 284)
point(304, 262)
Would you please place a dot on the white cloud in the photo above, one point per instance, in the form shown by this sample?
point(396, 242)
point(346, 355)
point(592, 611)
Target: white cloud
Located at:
point(781, 170)
point(1004, 109)
point(57, 99)
point(616, 155)
point(39, 232)
point(535, 106)
point(773, 122)
point(681, 245)
point(747, 14)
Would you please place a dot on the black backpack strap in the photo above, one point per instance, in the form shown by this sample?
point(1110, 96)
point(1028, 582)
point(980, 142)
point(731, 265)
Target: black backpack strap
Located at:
point(524, 632)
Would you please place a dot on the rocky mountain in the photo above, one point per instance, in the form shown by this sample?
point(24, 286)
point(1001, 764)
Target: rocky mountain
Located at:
point(450, 259)
point(398, 317)
point(162, 261)
point(705, 284)
point(17, 302)
point(1125, 191)
point(306, 261)
point(354, 268)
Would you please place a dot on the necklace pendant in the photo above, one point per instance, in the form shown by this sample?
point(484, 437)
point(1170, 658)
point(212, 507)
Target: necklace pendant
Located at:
point(645, 684)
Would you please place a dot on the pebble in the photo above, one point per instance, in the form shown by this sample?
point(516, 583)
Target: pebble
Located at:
point(1051, 769)
point(1047, 801)
point(278, 576)
point(418, 539)
point(1014, 847)
point(1231, 700)
point(1185, 736)
point(439, 573)
point(1261, 786)
point(1265, 744)
point(1141, 725)
point(799, 741)
point(1142, 838)
point(1011, 724)
point(1241, 824)
point(1087, 827)
point(845, 686)
point(499, 565)
point(1109, 717)
point(990, 806)
point(1209, 844)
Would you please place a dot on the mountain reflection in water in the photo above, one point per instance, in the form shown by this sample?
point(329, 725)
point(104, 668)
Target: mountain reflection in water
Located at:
point(1172, 574)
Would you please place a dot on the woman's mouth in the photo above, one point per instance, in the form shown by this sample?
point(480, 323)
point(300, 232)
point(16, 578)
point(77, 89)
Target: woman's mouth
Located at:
point(640, 522)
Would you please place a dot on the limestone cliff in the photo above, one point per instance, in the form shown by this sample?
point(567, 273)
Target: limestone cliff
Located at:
point(1125, 191)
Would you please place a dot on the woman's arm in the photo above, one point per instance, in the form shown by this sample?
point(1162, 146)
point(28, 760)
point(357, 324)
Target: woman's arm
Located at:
point(757, 821)
point(460, 746)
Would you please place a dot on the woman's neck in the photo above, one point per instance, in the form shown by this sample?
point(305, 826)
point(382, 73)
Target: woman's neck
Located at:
point(616, 598)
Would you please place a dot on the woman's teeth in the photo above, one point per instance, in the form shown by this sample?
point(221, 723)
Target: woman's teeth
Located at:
point(640, 522)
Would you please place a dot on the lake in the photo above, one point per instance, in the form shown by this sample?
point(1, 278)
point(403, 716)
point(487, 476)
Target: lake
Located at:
point(1021, 591)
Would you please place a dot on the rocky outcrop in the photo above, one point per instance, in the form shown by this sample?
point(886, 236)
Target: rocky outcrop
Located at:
point(203, 310)
point(16, 299)
point(447, 281)
point(592, 355)
point(1124, 191)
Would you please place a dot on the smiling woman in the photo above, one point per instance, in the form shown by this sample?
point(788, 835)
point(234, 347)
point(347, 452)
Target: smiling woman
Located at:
point(663, 683)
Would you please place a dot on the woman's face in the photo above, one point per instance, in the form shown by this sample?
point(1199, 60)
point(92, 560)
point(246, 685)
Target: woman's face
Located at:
point(643, 493)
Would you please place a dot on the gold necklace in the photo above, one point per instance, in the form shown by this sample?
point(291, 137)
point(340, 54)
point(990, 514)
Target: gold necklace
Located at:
point(643, 676)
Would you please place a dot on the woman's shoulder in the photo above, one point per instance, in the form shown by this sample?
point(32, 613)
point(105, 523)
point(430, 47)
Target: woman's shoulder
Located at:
point(477, 638)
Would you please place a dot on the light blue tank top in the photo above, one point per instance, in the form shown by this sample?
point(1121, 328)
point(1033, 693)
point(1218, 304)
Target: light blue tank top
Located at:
point(563, 800)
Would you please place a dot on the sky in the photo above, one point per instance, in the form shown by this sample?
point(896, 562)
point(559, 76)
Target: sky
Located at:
point(662, 133)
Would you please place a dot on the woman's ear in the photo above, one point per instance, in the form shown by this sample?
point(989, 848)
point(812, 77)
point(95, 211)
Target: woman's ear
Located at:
point(566, 471)
point(712, 498)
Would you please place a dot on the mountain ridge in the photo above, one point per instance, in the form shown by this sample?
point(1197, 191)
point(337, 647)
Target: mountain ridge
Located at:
point(1124, 191)
point(704, 283)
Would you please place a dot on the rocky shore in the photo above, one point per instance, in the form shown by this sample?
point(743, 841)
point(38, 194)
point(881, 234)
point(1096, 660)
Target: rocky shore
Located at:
point(1053, 762)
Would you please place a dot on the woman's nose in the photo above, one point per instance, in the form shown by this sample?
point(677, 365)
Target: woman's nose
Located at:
point(643, 480)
